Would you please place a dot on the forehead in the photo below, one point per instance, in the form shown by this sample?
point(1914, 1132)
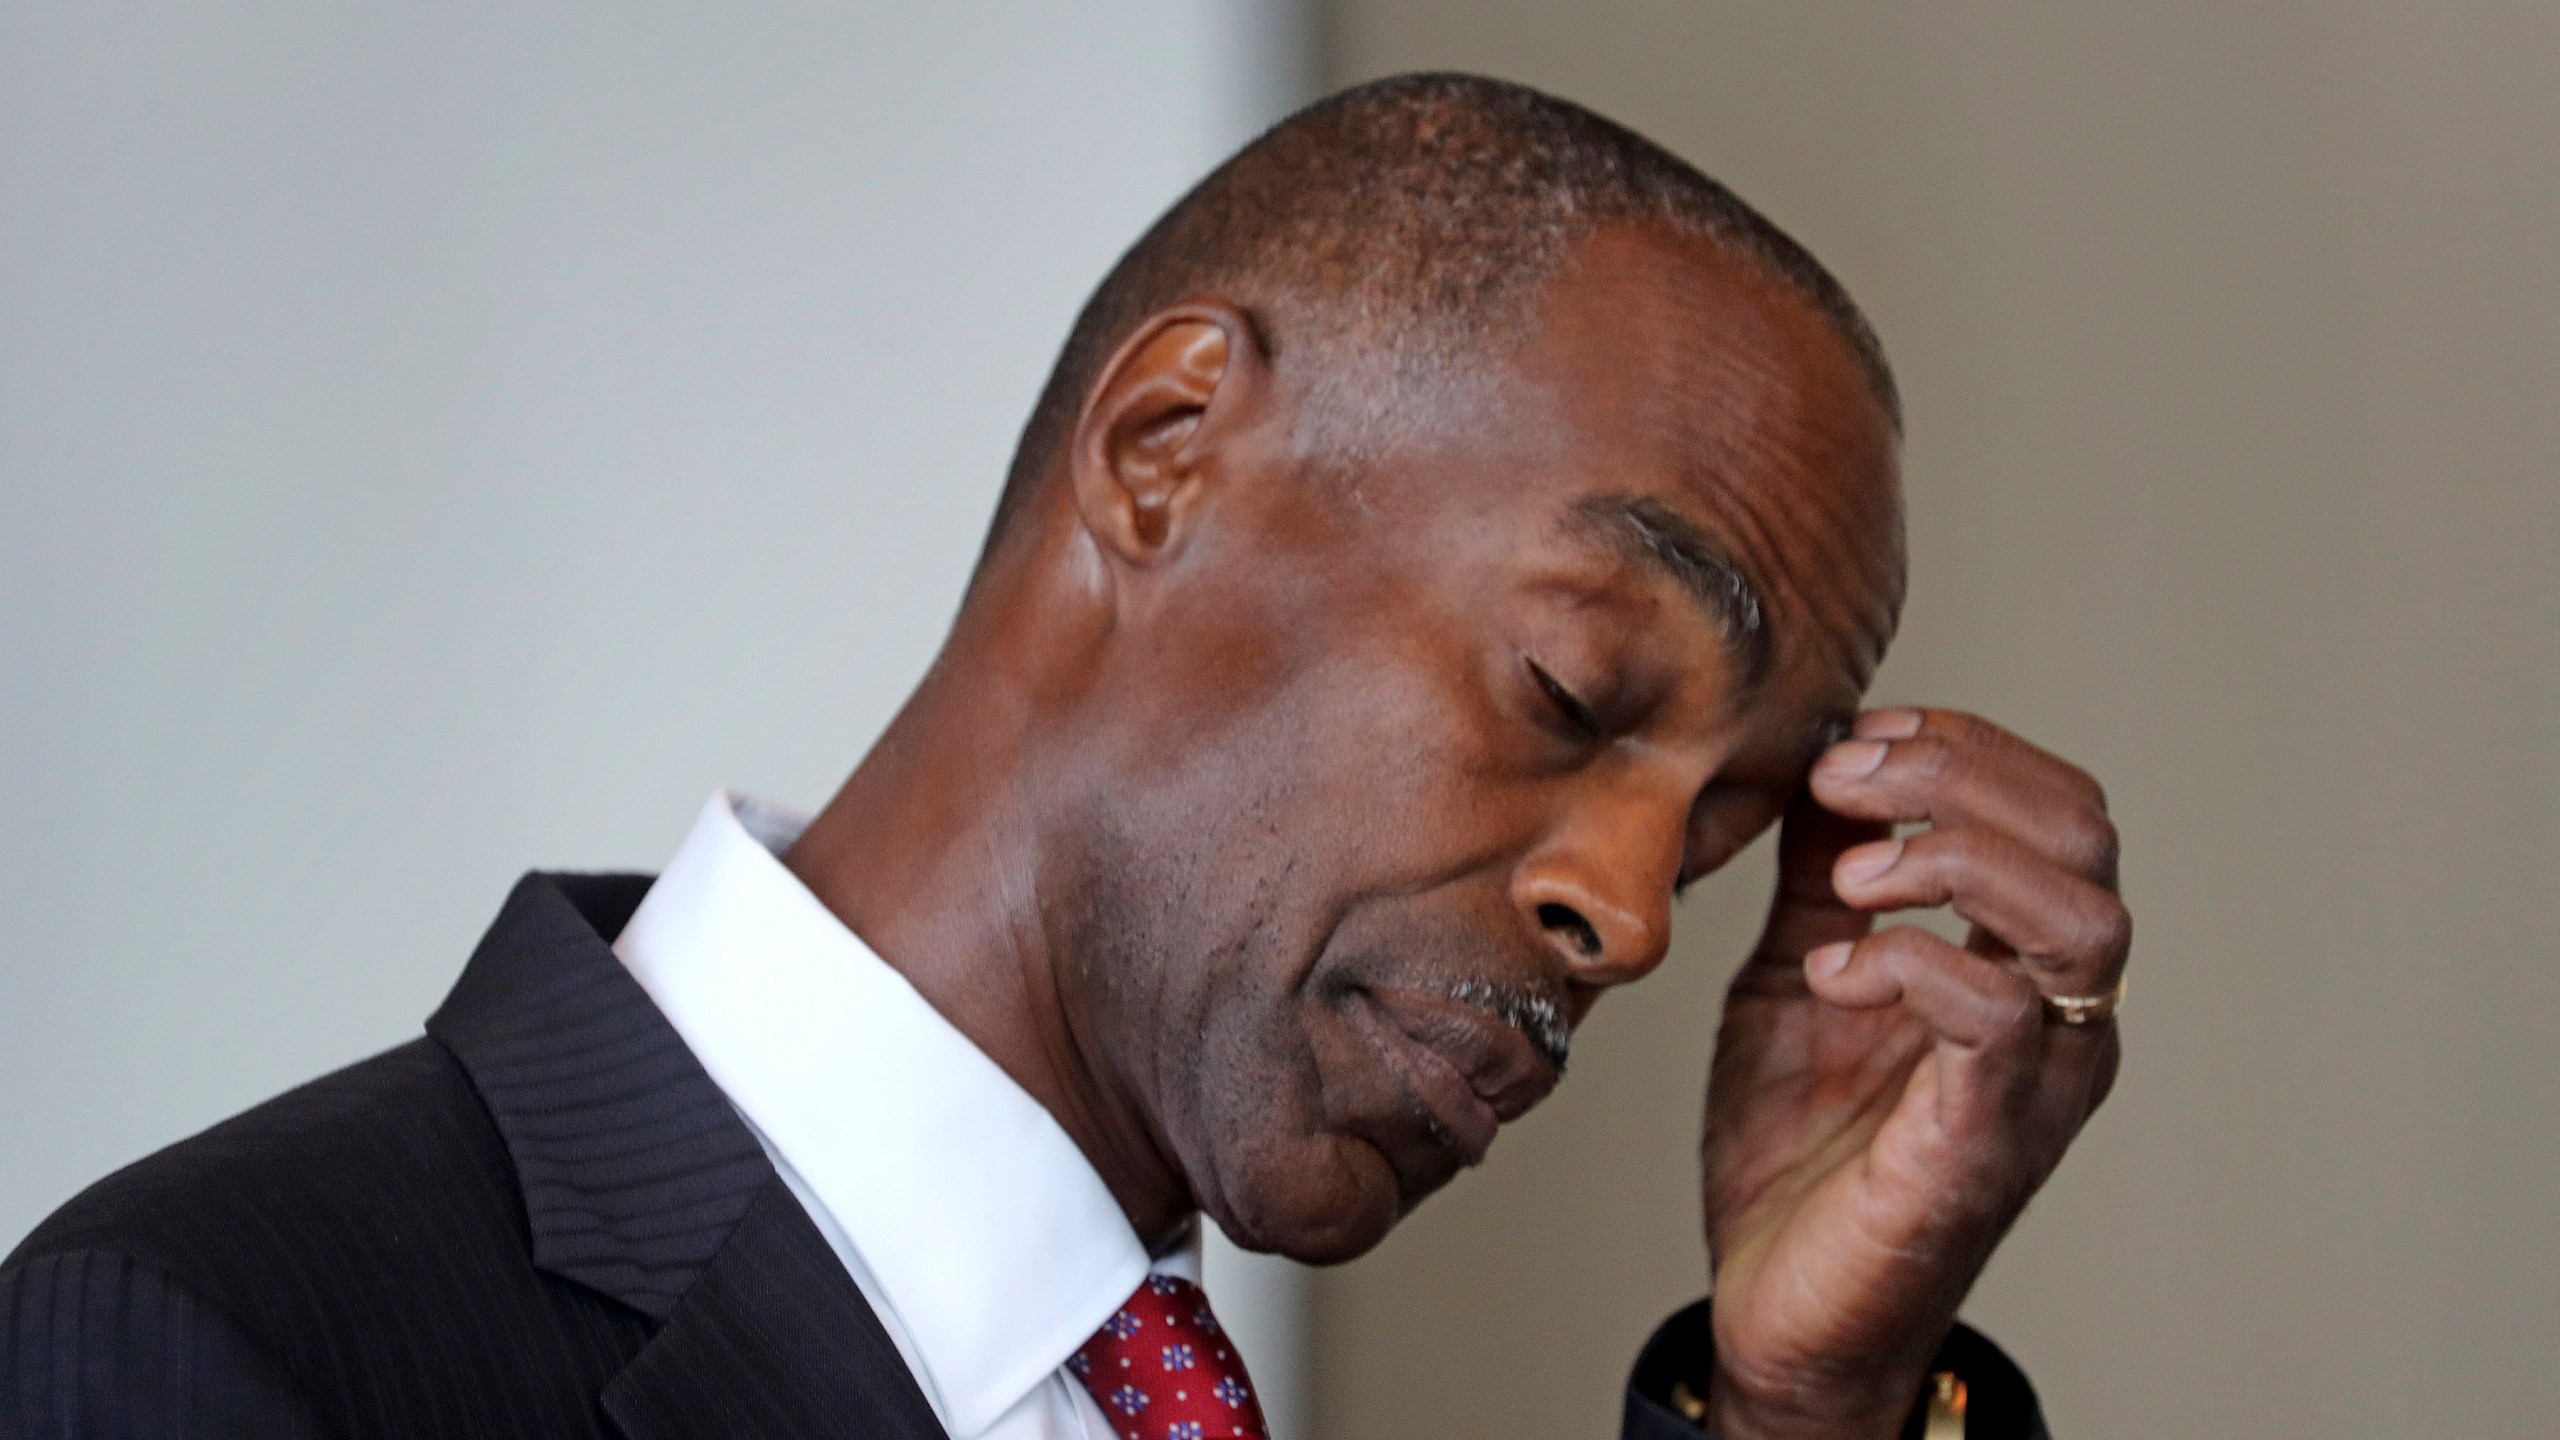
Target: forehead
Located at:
point(1684, 354)
point(1674, 370)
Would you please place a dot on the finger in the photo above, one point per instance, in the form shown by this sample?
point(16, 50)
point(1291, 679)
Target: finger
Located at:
point(2003, 1071)
point(1902, 723)
point(2080, 1063)
point(1807, 911)
point(2071, 933)
point(1945, 764)
point(1957, 770)
point(1964, 999)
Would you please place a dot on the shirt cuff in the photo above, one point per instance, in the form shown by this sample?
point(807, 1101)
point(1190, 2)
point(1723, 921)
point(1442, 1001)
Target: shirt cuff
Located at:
point(1999, 1403)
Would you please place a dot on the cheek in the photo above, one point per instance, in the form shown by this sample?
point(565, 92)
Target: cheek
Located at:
point(1301, 733)
point(1242, 906)
point(1241, 843)
point(1364, 773)
point(1406, 777)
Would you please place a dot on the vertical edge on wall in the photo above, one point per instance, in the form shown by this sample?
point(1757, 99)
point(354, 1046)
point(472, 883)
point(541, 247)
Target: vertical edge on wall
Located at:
point(1271, 55)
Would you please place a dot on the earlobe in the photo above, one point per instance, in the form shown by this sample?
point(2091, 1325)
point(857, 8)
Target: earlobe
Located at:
point(1145, 448)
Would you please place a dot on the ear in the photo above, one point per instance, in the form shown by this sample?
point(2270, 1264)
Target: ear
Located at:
point(1147, 447)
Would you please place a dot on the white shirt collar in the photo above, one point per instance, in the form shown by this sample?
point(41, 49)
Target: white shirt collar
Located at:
point(994, 1245)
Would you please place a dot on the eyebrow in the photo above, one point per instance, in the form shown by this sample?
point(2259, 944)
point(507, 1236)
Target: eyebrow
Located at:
point(1660, 539)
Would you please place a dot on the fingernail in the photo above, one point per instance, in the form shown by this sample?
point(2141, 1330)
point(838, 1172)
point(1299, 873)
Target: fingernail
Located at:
point(1867, 862)
point(1852, 758)
point(1828, 959)
point(1897, 724)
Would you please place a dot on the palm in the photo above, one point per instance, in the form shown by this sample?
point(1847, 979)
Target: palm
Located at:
point(1831, 1182)
point(1817, 1176)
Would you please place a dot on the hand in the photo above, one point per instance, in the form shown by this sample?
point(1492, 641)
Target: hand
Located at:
point(1883, 1103)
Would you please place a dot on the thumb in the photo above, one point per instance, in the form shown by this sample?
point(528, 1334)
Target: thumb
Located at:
point(1807, 911)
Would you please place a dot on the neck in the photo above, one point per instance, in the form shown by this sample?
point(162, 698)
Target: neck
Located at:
point(931, 852)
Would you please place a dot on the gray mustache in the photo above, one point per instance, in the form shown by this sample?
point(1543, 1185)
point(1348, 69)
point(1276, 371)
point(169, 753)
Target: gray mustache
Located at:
point(1534, 1015)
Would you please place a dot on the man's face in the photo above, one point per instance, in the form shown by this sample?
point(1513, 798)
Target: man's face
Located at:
point(1405, 769)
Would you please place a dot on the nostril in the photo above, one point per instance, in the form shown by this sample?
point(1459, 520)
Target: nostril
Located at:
point(1568, 921)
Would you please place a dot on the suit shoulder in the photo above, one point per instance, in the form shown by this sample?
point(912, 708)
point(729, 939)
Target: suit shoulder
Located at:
point(329, 1166)
point(323, 1213)
point(96, 1343)
point(366, 1231)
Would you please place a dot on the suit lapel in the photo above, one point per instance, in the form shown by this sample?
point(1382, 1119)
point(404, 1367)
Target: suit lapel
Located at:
point(772, 1339)
point(641, 1184)
point(634, 1168)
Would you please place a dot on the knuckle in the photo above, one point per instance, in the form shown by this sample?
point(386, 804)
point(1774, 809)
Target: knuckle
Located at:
point(1903, 946)
point(2107, 932)
point(2086, 786)
point(1939, 855)
point(1969, 850)
point(2015, 1008)
point(2089, 844)
point(1959, 724)
point(1928, 759)
point(2089, 943)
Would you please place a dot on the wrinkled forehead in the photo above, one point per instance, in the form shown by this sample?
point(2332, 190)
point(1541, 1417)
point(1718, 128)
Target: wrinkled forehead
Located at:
point(1679, 371)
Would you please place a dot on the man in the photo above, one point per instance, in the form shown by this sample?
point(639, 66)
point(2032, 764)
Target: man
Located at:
point(1454, 527)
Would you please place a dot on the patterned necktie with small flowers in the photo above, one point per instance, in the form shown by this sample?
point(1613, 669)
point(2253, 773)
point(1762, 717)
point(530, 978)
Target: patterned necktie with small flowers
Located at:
point(1162, 1369)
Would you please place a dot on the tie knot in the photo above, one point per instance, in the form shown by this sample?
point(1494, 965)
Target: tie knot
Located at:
point(1162, 1369)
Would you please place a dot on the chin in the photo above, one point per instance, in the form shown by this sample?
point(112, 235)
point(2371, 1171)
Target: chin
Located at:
point(1326, 1200)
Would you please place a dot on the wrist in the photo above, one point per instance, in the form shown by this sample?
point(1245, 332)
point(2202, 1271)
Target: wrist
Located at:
point(1868, 1407)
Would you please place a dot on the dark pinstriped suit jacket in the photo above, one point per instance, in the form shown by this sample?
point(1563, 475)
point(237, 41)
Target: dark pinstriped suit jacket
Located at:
point(540, 1220)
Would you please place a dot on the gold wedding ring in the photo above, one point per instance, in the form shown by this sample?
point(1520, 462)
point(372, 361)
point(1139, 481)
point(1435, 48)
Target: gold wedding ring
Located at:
point(2086, 1009)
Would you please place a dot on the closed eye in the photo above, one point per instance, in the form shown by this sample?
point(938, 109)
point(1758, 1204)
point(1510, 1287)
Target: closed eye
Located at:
point(1568, 705)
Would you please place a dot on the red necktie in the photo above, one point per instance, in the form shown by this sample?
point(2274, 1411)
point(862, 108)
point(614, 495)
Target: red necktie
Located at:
point(1162, 1369)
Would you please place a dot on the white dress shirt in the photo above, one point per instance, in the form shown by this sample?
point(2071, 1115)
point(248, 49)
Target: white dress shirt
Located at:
point(980, 1234)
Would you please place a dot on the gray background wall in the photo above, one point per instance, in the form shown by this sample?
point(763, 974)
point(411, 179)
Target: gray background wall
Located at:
point(442, 440)
point(2231, 336)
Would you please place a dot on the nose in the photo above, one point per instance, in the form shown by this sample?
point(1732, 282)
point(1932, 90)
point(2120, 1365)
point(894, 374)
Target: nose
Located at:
point(1597, 890)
